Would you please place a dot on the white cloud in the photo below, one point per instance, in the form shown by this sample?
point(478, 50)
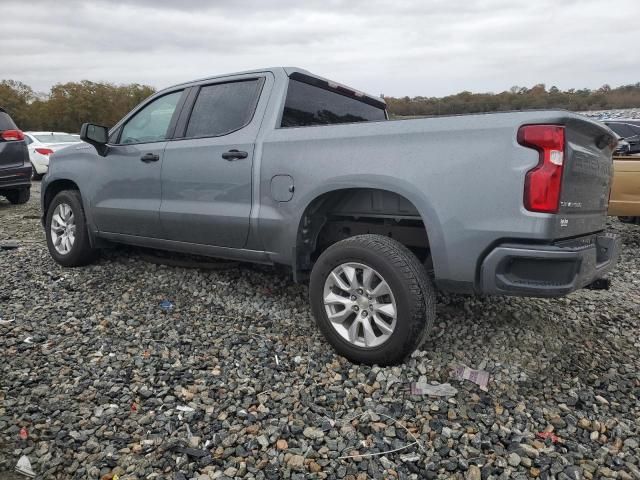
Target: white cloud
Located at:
point(409, 47)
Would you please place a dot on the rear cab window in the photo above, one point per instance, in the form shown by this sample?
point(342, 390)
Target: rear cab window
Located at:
point(311, 101)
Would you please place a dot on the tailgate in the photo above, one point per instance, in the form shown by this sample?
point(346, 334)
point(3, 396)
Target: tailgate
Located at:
point(12, 154)
point(586, 178)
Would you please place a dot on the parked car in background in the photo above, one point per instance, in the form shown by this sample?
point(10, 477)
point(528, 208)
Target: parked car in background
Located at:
point(623, 147)
point(42, 144)
point(280, 166)
point(625, 189)
point(15, 169)
point(630, 121)
point(628, 131)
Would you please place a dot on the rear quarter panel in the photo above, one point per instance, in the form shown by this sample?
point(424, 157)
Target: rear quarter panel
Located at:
point(464, 174)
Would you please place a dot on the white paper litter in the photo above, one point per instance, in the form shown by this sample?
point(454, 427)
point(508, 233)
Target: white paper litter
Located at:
point(479, 377)
point(24, 467)
point(183, 408)
point(440, 390)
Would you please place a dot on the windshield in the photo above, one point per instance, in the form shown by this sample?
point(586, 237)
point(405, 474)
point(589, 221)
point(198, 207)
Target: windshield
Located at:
point(57, 138)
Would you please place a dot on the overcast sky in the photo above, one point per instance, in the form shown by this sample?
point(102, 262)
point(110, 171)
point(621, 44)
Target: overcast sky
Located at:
point(401, 47)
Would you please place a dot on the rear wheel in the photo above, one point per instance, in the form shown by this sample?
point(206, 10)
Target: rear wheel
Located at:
point(18, 197)
point(34, 173)
point(372, 299)
point(66, 230)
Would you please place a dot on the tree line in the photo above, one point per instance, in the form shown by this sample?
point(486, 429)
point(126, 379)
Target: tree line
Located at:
point(519, 98)
point(67, 105)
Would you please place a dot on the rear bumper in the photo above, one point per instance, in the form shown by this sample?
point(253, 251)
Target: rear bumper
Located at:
point(548, 270)
point(41, 165)
point(18, 177)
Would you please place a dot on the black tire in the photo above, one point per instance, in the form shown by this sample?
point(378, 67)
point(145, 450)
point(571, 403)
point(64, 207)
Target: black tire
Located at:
point(408, 280)
point(34, 173)
point(18, 197)
point(629, 219)
point(81, 252)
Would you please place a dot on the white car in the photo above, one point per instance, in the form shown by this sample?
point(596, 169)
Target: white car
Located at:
point(43, 144)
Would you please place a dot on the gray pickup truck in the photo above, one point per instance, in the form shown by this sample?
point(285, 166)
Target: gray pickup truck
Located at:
point(279, 166)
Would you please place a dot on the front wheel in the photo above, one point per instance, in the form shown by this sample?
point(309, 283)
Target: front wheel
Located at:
point(372, 299)
point(66, 230)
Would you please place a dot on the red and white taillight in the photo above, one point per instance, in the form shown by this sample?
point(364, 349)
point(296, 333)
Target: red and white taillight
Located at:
point(543, 183)
point(12, 135)
point(44, 151)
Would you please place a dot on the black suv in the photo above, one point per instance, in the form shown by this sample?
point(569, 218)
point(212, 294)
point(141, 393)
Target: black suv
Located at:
point(629, 130)
point(15, 167)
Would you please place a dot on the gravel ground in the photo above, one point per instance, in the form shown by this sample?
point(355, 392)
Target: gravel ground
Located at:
point(235, 381)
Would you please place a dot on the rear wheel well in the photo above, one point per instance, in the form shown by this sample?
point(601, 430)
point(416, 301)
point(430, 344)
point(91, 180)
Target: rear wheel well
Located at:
point(341, 214)
point(54, 188)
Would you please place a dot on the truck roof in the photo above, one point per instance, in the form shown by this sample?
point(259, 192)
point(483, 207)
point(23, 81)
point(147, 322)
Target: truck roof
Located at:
point(289, 71)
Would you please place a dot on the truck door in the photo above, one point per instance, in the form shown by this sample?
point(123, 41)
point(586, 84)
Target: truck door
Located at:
point(207, 168)
point(128, 194)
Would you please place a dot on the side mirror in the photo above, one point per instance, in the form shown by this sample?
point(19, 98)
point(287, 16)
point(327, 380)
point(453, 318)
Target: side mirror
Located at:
point(96, 135)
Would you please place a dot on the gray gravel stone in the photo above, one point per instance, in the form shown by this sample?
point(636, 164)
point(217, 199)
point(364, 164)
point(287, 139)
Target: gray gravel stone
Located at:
point(109, 381)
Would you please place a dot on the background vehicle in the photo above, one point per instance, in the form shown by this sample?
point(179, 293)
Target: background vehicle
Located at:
point(43, 144)
point(279, 166)
point(15, 170)
point(625, 189)
point(623, 147)
point(629, 132)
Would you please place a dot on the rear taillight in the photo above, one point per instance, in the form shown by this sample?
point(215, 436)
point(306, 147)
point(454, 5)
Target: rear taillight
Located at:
point(12, 135)
point(542, 183)
point(44, 151)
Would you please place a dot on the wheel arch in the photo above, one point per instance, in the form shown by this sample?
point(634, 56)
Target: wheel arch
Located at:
point(58, 185)
point(411, 203)
point(55, 187)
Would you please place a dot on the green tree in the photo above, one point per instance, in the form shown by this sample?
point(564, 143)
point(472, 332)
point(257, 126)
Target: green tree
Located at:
point(68, 105)
point(15, 97)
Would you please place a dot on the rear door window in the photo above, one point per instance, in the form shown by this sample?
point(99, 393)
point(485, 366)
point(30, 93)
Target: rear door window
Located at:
point(223, 108)
point(308, 105)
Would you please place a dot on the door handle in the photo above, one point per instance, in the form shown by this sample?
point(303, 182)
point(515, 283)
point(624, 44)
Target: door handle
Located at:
point(150, 157)
point(234, 155)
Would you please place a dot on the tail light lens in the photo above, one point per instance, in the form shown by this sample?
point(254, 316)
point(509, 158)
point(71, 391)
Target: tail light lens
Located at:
point(44, 151)
point(12, 135)
point(543, 182)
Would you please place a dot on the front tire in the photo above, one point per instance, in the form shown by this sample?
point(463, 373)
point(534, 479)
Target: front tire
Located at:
point(66, 230)
point(18, 197)
point(372, 299)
